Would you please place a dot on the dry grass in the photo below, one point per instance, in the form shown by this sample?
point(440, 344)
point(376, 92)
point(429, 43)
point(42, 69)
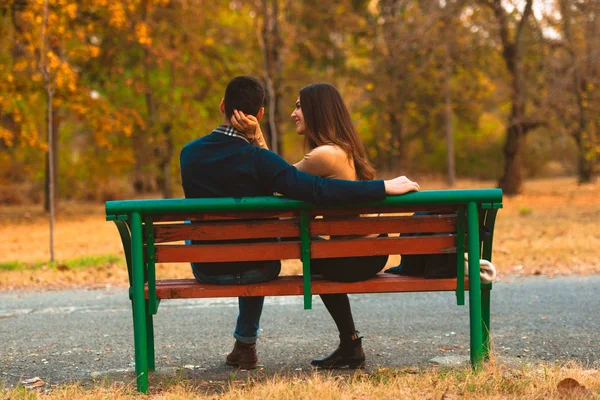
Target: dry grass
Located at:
point(494, 382)
point(551, 229)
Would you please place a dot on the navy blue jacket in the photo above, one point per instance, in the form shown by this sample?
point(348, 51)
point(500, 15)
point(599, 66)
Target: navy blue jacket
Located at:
point(218, 165)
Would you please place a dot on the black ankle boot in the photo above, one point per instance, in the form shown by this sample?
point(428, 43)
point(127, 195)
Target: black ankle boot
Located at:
point(349, 353)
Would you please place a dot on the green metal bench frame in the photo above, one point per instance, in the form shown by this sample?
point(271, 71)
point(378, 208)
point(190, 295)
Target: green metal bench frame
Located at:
point(134, 220)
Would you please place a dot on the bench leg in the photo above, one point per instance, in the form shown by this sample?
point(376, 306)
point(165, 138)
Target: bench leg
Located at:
point(485, 311)
point(150, 338)
point(474, 287)
point(140, 311)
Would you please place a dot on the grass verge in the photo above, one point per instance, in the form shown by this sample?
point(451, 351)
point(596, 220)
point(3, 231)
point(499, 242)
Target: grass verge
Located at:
point(90, 271)
point(554, 381)
point(80, 262)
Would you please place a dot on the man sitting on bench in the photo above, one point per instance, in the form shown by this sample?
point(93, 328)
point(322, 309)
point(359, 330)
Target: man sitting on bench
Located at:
point(227, 163)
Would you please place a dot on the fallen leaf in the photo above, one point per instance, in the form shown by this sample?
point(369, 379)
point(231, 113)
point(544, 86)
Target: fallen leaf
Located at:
point(31, 380)
point(39, 383)
point(570, 388)
point(445, 348)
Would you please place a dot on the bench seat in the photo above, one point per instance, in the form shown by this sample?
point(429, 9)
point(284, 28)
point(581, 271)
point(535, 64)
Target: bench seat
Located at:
point(293, 286)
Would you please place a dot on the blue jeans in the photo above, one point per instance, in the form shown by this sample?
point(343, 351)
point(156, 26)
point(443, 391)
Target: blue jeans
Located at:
point(250, 308)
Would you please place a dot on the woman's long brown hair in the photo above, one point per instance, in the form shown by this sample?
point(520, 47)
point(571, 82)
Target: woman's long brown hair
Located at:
point(328, 121)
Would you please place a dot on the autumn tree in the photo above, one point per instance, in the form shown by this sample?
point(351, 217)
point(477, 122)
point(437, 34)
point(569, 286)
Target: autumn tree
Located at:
point(512, 32)
point(576, 76)
point(65, 48)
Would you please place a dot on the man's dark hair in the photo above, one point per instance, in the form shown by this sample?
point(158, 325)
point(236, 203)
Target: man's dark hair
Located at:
point(245, 94)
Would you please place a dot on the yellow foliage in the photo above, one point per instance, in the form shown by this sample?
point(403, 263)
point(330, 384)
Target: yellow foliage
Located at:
point(117, 15)
point(142, 34)
point(6, 136)
point(20, 66)
point(72, 10)
point(94, 51)
point(53, 60)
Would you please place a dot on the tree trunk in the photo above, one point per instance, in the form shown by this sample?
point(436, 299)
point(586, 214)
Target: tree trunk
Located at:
point(143, 177)
point(397, 159)
point(51, 177)
point(585, 168)
point(448, 118)
point(395, 82)
point(51, 168)
point(582, 93)
point(164, 155)
point(511, 181)
point(271, 45)
point(165, 152)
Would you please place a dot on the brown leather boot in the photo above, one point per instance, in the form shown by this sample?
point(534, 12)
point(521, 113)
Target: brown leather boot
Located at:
point(243, 356)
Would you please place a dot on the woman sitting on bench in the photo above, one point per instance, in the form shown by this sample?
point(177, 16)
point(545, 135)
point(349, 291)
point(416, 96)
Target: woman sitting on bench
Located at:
point(336, 151)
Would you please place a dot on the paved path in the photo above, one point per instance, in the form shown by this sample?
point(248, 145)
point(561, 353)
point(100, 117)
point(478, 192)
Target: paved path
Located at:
point(74, 335)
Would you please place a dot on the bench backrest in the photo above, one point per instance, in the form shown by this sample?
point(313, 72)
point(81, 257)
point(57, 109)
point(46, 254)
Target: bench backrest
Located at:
point(253, 223)
point(286, 226)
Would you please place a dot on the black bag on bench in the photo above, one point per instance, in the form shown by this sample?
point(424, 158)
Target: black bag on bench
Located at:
point(430, 266)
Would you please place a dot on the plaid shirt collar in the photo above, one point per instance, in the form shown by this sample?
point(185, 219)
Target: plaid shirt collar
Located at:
point(231, 131)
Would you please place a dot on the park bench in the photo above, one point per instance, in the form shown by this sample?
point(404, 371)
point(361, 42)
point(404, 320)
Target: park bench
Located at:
point(153, 231)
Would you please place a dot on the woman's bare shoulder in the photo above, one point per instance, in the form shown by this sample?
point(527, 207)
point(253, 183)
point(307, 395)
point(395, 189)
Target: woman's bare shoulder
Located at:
point(329, 151)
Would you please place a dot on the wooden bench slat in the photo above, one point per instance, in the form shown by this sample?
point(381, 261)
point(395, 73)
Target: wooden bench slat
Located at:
point(435, 244)
point(257, 229)
point(228, 252)
point(367, 225)
point(292, 285)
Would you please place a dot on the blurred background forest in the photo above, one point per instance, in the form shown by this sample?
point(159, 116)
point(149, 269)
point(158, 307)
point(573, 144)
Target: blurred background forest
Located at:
point(488, 89)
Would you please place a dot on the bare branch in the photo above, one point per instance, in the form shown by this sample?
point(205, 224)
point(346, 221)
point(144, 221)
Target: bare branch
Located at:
point(500, 14)
point(524, 18)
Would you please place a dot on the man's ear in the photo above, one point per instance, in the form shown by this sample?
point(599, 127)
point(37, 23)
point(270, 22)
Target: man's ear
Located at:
point(222, 106)
point(260, 113)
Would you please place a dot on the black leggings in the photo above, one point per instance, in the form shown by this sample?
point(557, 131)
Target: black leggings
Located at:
point(350, 269)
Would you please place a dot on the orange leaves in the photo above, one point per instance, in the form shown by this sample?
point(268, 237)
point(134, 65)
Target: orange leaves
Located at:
point(142, 34)
point(6, 136)
point(117, 15)
point(71, 10)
